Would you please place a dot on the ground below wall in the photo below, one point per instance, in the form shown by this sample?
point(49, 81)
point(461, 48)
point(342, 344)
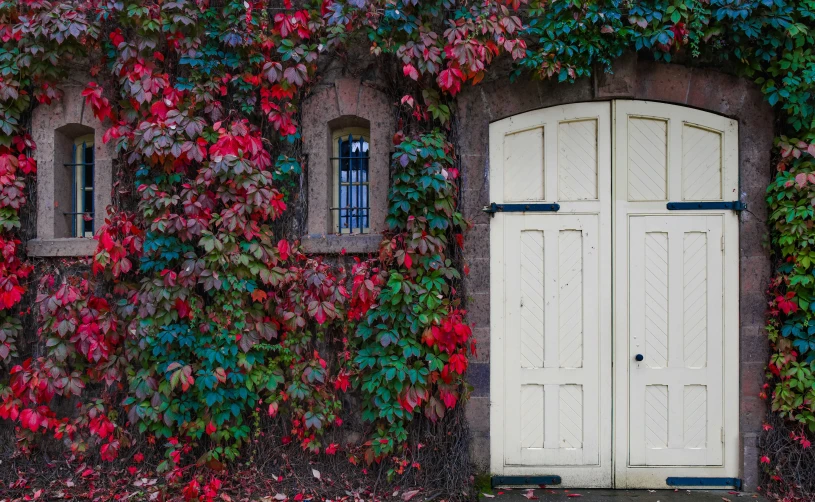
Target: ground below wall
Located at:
point(553, 495)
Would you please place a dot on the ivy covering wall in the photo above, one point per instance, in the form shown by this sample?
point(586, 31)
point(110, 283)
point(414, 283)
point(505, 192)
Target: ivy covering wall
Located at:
point(201, 315)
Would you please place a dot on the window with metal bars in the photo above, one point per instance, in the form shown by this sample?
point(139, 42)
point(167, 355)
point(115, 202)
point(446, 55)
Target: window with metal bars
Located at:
point(80, 217)
point(350, 210)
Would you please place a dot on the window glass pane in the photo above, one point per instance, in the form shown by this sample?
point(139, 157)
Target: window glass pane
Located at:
point(351, 194)
point(89, 177)
point(345, 167)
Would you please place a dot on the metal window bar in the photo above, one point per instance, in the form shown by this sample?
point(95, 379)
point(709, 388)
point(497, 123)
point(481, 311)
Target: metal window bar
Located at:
point(352, 185)
point(75, 213)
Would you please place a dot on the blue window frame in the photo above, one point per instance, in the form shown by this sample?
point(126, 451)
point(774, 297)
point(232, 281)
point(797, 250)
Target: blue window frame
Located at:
point(351, 209)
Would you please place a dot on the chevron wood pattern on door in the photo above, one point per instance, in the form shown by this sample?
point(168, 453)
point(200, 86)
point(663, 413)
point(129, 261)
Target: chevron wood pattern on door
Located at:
point(524, 165)
point(647, 159)
point(532, 299)
point(570, 298)
point(701, 164)
point(695, 416)
point(656, 416)
point(694, 322)
point(675, 393)
point(656, 299)
point(552, 310)
point(577, 160)
point(571, 416)
point(532, 416)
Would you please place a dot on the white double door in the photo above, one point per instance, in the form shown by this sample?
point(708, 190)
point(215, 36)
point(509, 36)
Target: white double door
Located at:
point(610, 317)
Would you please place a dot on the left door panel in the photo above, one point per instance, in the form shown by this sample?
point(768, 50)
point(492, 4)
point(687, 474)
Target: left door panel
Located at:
point(551, 296)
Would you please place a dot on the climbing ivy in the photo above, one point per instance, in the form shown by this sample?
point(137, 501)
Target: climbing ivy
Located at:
point(200, 313)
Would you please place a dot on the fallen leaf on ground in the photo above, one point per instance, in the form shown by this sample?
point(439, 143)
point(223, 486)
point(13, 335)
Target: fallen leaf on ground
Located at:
point(530, 494)
point(409, 494)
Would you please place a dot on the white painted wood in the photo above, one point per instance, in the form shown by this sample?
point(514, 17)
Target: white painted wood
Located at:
point(523, 158)
point(701, 163)
point(676, 297)
point(551, 297)
point(664, 388)
point(568, 388)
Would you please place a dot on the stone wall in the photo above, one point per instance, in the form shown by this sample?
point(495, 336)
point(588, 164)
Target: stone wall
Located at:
point(699, 88)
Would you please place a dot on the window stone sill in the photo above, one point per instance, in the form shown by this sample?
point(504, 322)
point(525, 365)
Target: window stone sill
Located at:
point(61, 247)
point(335, 244)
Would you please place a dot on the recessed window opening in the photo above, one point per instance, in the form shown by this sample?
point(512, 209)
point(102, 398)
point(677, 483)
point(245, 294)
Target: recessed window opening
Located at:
point(350, 209)
point(81, 167)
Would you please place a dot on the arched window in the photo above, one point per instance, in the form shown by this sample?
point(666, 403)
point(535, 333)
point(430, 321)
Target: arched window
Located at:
point(348, 127)
point(350, 157)
point(74, 176)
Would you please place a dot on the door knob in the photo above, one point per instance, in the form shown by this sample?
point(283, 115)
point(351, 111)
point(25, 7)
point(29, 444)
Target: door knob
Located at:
point(639, 357)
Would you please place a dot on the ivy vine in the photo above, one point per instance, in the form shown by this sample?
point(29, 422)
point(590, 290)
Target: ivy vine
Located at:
point(198, 317)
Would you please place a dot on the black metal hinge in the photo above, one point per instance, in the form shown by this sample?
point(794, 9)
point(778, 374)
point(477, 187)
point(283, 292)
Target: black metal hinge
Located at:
point(524, 480)
point(520, 208)
point(734, 482)
point(735, 205)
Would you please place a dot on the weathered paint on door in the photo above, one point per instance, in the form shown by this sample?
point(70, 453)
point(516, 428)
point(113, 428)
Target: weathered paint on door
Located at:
point(551, 295)
point(551, 284)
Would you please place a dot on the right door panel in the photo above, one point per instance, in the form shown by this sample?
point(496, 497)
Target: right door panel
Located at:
point(675, 295)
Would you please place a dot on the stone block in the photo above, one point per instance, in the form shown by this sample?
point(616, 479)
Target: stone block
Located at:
point(480, 454)
point(753, 411)
point(754, 345)
point(75, 247)
point(481, 336)
point(478, 309)
point(715, 91)
point(332, 244)
point(620, 82)
point(472, 124)
point(478, 415)
point(752, 306)
point(754, 274)
point(478, 280)
point(471, 204)
point(554, 93)
point(752, 378)
point(750, 476)
point(477, 242)
point(478, 375)
point(505, 101)
point(475, 172)
point(348, 92)
point(663, 82)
